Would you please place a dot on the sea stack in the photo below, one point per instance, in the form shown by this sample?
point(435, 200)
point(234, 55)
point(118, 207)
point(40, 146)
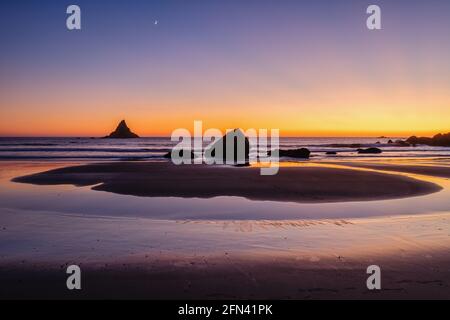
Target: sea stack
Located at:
point(122, 132)
point(237, 141)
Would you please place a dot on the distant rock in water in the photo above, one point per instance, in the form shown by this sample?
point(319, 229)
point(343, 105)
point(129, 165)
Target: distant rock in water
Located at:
point(301, 153)
point(369, 151)
point(440, 140)
point(122, 132)
point(331, 152)
point(402, 143)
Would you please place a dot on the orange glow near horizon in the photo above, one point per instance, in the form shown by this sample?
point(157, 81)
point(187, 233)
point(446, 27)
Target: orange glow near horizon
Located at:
point(340, 104)
point(160, 127)
point(344, 113)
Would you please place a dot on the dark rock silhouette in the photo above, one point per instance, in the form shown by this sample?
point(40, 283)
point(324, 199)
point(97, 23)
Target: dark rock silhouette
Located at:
point(402, 143)
point(122, 132)
point(390, 142)
point(369, 151)
point(301, 153)
point(219, 148)
point(331, 152)
point(181, 154)
point(441, 140)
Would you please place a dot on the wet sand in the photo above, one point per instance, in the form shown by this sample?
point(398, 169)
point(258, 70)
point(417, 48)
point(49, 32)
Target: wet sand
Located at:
point(412, 252)
point(137, 257)
point(233, 278)
point(296, 184)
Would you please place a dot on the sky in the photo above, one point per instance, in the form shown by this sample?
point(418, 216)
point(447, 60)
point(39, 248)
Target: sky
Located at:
point(308, 68)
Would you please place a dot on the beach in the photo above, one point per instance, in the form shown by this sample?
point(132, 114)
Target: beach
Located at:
point(313, 138)
point(137, 231)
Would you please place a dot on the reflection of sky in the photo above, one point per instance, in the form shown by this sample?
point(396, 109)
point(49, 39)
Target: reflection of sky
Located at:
point(74, 200)
point(70, 223)
point(311, 65)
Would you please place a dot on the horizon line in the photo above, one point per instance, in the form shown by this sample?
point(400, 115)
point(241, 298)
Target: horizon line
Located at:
point(168, 136)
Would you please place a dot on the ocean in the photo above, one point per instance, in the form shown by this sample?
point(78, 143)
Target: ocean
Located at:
point(154, 148)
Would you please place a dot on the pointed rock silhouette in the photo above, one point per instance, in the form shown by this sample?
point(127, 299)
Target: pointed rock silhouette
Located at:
point(122, 132)
point(237, 141)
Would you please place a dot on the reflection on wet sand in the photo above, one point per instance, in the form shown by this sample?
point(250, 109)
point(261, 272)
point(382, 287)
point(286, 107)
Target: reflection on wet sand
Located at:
point(222, 247)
